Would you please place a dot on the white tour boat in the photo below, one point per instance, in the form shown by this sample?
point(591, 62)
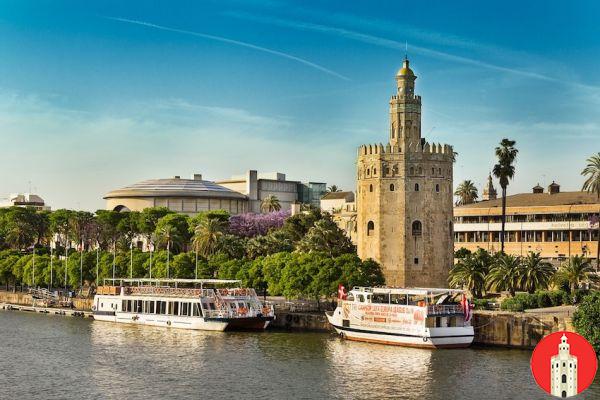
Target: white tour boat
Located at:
point(204, 304)
point(420, 317)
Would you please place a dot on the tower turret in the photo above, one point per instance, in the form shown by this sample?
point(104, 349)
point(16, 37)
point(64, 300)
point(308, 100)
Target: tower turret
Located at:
point(489, 191)
point(405, 110)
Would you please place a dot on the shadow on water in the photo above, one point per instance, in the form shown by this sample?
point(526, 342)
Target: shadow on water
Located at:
point(74, 358)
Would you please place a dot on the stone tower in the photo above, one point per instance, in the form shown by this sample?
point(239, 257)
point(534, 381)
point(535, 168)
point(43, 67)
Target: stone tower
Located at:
point(404, 197)
point(563, 371)
point(489, 191)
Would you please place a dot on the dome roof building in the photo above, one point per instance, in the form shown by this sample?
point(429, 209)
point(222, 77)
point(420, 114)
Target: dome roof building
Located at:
point(188, 196)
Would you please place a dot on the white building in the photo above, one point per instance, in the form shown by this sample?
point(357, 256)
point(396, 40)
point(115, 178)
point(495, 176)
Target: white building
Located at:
point(24, 200)
point(563, 371)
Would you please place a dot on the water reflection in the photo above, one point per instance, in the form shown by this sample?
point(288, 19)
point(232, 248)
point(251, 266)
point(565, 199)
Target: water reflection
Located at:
point(57, 357)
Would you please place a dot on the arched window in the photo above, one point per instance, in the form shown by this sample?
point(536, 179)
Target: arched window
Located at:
point(370, 228)
point(368, 171)
point(374, 171)
point(564, 378)
point(416, 187)
point(392, 187)
point(412, 170)
point(437, 187)
point(370, 188)
point(420, 171)
point(417, 228)
point(439, 171)
point(432, 171)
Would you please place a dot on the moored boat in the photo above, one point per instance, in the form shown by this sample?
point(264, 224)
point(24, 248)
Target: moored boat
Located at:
point(202, 304)
point(419, 317)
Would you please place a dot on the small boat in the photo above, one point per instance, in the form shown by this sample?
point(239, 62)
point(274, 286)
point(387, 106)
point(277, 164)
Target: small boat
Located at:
point(201, 304)
point(419, 317)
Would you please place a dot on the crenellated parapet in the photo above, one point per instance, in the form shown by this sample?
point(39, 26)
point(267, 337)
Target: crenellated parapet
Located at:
point(422, 148)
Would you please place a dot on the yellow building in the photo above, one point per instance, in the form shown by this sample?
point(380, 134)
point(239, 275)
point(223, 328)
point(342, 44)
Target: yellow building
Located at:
point(555, 224)
point(404, 197)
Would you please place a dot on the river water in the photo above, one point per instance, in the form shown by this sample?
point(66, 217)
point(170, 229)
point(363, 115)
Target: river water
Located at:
point(53, 357)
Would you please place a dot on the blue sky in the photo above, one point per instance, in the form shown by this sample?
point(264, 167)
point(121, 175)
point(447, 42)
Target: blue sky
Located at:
point(95, 96)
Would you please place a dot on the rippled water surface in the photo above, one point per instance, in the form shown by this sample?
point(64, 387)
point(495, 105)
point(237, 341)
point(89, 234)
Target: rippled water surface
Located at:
point(52, 357)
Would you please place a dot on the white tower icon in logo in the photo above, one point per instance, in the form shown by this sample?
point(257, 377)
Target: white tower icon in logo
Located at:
point(563, 367)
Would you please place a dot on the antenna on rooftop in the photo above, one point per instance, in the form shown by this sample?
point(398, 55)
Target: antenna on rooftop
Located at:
point(406, 50)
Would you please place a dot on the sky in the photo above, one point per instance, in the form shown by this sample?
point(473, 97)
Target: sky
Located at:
point(98, 95)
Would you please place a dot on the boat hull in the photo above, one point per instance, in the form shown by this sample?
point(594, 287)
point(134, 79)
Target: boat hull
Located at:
point(457, 337)
point(258, 323)
point(167, 321)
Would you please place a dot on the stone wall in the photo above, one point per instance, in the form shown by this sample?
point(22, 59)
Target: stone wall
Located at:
point(522, 330)
point(301, 322)
point(25, 299)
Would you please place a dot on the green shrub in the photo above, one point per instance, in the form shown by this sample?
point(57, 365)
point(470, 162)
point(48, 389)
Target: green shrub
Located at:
point(540, 299)
point(586, 319)
point(481, 304)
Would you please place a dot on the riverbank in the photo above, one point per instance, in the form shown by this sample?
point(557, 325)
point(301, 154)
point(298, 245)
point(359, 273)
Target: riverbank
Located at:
point(492, 328)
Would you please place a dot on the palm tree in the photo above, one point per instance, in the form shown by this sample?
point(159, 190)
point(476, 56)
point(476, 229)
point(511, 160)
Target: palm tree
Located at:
point(535, 273)
point(466, 192)
point(333, 189)
point(505, 171)
point(169, 235)
point(575, 271)
point(470, 272)
point(505, 274)
point(592, 185)
point(270, 204)
point(207, 236)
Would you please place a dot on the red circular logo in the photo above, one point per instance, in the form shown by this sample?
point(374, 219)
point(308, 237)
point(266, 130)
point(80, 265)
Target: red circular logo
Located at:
point(564, 364)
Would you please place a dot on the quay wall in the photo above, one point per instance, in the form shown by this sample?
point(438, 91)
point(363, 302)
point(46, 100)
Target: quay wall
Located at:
point(24, 299)
point(519, 330)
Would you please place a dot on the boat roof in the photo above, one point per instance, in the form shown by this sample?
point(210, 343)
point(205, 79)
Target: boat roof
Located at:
point(175, 281)
point(394, 290)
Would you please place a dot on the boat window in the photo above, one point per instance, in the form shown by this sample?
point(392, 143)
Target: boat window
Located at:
point(184, 308)
point(398, 299)
point(124, 305)
point(240, 305)
point(196, 309)
point(139, 306)
point(380, 298)
point(151, 309)
point(416, 300)
point(361, 298)
point(350, 297)
point(175, 308)
point(189, 309)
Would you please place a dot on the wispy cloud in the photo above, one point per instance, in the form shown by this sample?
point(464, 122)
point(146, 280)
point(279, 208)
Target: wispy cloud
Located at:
point(235, 43)
point(396, 45)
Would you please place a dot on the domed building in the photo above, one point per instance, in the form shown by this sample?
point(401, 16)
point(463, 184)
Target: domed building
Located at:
point(187, 196)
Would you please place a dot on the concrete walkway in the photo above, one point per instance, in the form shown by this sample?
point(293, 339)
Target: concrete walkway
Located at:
point(562, 310)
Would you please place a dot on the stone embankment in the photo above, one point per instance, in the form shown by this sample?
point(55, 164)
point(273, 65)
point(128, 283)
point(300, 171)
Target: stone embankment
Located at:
point(493, 328)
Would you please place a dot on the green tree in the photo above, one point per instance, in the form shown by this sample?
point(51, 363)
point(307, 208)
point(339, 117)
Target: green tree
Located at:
point(357, 273)
point(8, 258)
point(536, 274)
point(466, 193)
point(20, 227)
point(60, 223)
point(576, 271)
point(462, 253)
point(505, 274)
point(183, 266)
point(333, 189)
point(41, 224)
point(276, 241)
point(270, 204)
point(208, 235)
point(172, 232)
point(326, 237)
point(586, 320)
point(221, 215)
point(504, 170)
point(592, 174)
point(297, 226)
point(470, 272)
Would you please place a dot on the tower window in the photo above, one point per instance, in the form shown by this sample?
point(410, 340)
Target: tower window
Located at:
point(439, 171)
point(432, 171)
point(370, 188)
point(374, 171)
point(437, 187)
point(370, 228)
point(416, 187)
point(412, 170)
point(368, 171)
point(564, 378)
point(417, 228)
point(416, 260)
point(392, 187)
point(420, 171)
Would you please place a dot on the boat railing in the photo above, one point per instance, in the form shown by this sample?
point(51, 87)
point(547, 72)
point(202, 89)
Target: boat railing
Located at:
point(439, 309)
point(166, 291)
point(236, 292)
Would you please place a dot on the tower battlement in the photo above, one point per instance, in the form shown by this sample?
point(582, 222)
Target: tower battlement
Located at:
point(425, 148)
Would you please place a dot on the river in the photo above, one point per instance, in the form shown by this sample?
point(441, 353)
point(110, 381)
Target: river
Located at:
point(53, 357)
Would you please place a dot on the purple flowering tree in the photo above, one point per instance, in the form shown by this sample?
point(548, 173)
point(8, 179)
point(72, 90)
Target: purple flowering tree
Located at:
point(250, 224)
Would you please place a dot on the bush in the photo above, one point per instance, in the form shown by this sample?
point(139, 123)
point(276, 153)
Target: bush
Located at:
point(539, 299)
point(481, 304)
point(586, 319)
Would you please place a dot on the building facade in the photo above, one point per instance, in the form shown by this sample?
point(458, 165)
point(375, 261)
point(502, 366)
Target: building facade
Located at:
point(404, 197)
point(186, 196)
point(258, 186)
point(563, 371)
point(555, 224)
point(24, 200)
